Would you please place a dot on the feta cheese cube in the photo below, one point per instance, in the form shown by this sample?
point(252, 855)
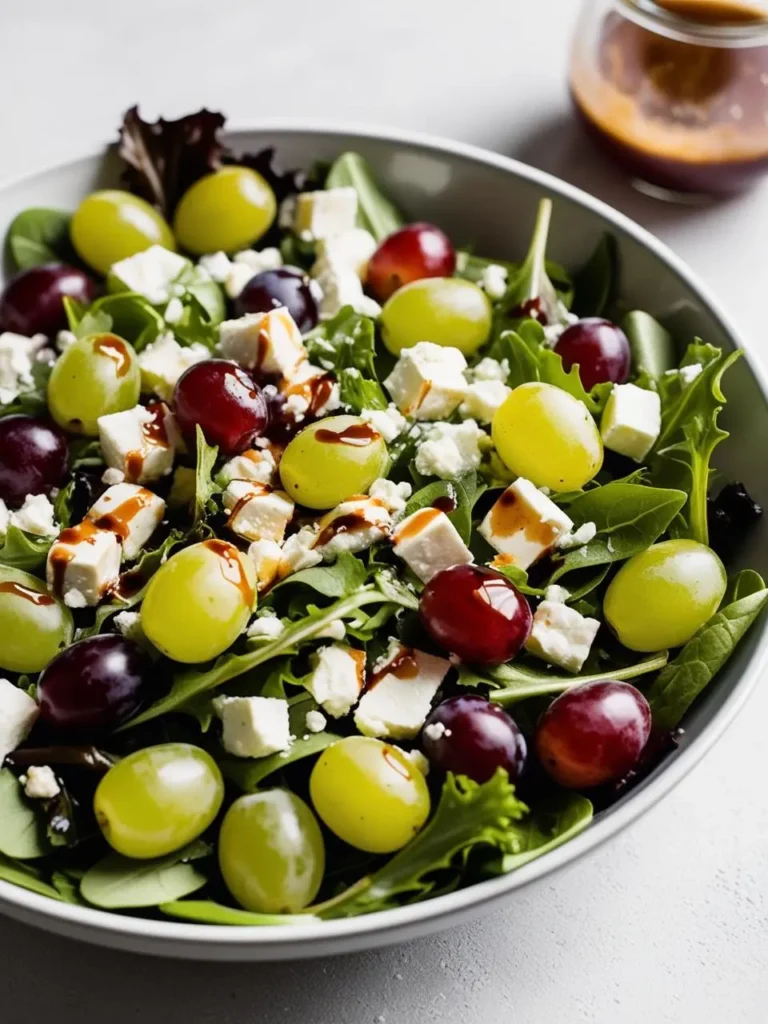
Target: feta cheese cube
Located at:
point(494, 280)
point(392, 496)
point(353, 526)
point(40, 783)
point(17, 355)
point(35, 516)
point(18, 713)
point(311, 389)
point(483, 398)
point(254, 726)
point(256, 512)
point(136, 442)
point(267, 557)
point(389, 422)
point(164, 361)
point(449, 450)
point(428, 542)
point(561, 636)
point(255, 464)
point(327, 212)
point(336, 679)
point(150, 273)
point(131, 512)
point(524, 524)
point(83, 563)
point(352, 250)
point(299, 552)
point(428, 381)
point(398, 697)
point(315, 721)
point(631, 421)
point(268, 626)
point(5, 519)
point(267, 342)
point(341, 286)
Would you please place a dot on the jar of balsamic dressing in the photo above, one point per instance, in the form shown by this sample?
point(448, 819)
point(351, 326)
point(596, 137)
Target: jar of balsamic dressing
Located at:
point(676, 91)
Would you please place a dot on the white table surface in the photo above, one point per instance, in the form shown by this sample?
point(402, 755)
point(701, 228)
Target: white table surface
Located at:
point(670, 922)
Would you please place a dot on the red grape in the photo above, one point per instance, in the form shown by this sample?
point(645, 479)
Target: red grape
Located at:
point(31, 303)
point(600, 349)
point(476, 613)
point(593, 734)
point(471, 736)
point(220, 397)
point(94, 684)
point(33, 457)
point(285, 286)
point(413, 252)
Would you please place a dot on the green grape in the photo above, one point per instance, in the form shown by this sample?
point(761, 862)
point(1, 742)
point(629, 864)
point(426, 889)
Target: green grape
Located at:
point(271, 852)
point(34, 625)
point(331, 460)
point(229, 209)
point(111, 225)
point(96, 375)
point(198, 603)
point(369, 794)
point(661, 596)
point(445, 310)
point(158, 799)
point(548, 436)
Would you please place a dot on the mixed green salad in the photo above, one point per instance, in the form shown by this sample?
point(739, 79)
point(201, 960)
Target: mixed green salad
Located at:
point(340, 567)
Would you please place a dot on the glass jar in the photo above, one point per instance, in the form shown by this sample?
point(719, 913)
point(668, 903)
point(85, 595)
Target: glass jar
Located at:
point(676, 90)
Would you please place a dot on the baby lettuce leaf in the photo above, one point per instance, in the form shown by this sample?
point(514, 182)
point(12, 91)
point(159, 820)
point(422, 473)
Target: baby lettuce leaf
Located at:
point(130, 315)
point(374, 211)
point(117, 882)
point(468, 816)
point(531, 280)
point(652, 346)
point(681, 682)
point(22, 832)
point(39, 235)
point(205, 488)
point(360, 393)
point(344, 577)
point(464, 492)
point(24, 551)
point(347, 340)
point(208, 912)
point(629, 517)
point(549, 825)
point(27, 877)
point(595, 284)
point(516, 681)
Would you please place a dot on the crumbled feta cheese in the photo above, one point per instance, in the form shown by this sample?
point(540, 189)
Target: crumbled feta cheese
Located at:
point(40, 783)
point(494, 280)
point(129, 625)
point(150, 273)
point(266, 626)
point(399, 696)
point(18, 713)
point(490, 369)
point(359, 522)
point(336, 679)
point(164, 361)
point(35, 516)
point(259, 260)
point(112, 476)
point(91, 561)
point(427, 381)
point(335, 630)
point(137, 442)
point(297, 406)
point(449, 450)
point(255, 464)
point(631, 421)
point(254, 726)
point(556, 595)
point(340, 286)
point(5, 519)
point(483, 398)
point(324, 213)
point(315, 721)
point(585, 533)
point(217, 265)
point(553, 331)
point(689, 373)
point(310, 388)
point(299, 551)
point(267, 556)
point(428, 542)
point(174, 311)
point(64, 339)
point(256, 512)
point(436, 730)
point(389, 422)
point(268, 342)
point(561, 636)
point(239, 276)
point(286, 213)
point(351, 250)
point(392, 496)
point(17, 353)
point(131, 512)
point(417, 759)
point(524, 524)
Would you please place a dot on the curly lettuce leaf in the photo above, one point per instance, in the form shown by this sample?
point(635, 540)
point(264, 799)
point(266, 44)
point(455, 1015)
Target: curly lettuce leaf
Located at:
point(548, 826)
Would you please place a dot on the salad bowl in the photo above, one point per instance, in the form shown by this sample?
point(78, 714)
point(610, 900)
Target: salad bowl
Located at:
point(484, 202)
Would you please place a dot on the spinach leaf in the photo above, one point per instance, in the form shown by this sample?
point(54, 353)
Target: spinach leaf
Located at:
point(469, 815)
point(22, 834)
point(531, 281)
point(344, 577)
point(39, 235)
point(463, 491)
point(359, 393)
point(208, 912)
point(347, 340)
point(24, 551)
point(374, 211)
point(117, 882)
point(652, 346)
point(205, 488)
point(595, 284)
point(516, 681)
point(127, 314)
point(27, 877)
point(628, 517)
point(681, 682)
point(548, 826)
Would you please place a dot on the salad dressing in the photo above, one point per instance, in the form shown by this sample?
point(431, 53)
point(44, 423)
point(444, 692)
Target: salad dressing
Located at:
point(63, 550)
point(445, 503)
point(154, 434)
point(114, 348)
point(509, 516)
point(416, 523)
point(231, 567)
point(403, 666)
point(118, 521)
point(359, 435)
point(19, 590)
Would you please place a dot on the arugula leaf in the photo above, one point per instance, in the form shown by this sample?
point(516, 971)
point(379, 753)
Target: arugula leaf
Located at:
point(205, 488)
point(595, 284)
point(347, 340)
point(374, 211)
point(38, 236)
point(652, 346)
point(531, 281)
point(629, 518)
point(469, 815)
point(548, 826)
point(24, 551)
point(27, 877)
point(359, 393)
point(344, 577)
point(463, 491)
point(22, 834)
point(118, 882)
point(681, 682)
point(208, 912)
point(516, 681)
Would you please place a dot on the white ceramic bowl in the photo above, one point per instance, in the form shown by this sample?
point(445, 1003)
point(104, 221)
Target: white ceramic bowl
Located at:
point(487, 201)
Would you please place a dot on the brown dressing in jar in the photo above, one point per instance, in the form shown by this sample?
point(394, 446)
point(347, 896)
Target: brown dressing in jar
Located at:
point(19, 590)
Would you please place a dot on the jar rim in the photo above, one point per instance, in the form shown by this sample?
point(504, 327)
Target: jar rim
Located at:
point(660, 19)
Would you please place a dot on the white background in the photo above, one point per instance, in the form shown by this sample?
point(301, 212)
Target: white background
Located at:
point(670, 922)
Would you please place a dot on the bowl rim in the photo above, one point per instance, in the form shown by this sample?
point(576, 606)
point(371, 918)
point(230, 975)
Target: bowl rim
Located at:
point(377, 928)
